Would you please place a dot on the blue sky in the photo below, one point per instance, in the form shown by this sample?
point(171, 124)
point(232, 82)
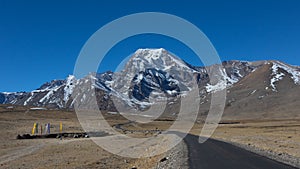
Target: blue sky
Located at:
point(40, 40)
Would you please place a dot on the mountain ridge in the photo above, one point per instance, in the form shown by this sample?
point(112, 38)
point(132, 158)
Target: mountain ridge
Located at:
point(152, 74)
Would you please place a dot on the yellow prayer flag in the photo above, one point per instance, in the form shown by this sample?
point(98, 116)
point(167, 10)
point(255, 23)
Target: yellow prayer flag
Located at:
point(60, 127)
point(33, 129)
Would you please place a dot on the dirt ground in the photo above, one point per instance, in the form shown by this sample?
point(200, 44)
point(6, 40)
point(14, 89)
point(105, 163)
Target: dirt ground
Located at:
point(276, 139)
point(279, 136)
point(50, 153)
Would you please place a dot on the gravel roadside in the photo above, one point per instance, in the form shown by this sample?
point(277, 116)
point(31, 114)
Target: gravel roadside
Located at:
point(282, 157)
point(176, 158)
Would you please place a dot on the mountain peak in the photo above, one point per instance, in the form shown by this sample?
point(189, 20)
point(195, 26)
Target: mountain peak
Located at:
point(149, 53)
point(157, 58)
point(150, 50)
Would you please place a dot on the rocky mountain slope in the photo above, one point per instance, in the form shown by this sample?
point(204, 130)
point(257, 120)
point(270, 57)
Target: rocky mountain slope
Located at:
point(153, 75)
point(272, 90)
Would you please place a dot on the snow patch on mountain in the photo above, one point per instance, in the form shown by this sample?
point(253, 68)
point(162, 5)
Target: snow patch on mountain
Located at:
point(47, 96)
point(50, 92)
point(217, 87)
point(224, 81)
point(29, 98)
point(70, 84)
point(291, 70)
point(277, 75)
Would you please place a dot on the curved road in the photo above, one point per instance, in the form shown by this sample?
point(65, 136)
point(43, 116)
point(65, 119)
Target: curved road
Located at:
point(215, 154)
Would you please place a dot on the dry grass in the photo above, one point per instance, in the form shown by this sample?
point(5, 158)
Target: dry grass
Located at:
point(280, 136)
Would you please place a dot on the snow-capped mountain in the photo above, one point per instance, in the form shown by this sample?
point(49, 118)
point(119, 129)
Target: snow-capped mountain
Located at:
point(151, 75)
point(271, 91)
point(152, 71)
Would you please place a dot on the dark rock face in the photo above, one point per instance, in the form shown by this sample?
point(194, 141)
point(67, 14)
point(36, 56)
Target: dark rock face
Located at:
point(52, 84)
point(237, 69)
point(2, 98)
point(11, 98)
point(153, 80)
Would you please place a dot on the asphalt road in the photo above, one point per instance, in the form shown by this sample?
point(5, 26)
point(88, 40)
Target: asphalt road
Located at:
point(215, 154)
